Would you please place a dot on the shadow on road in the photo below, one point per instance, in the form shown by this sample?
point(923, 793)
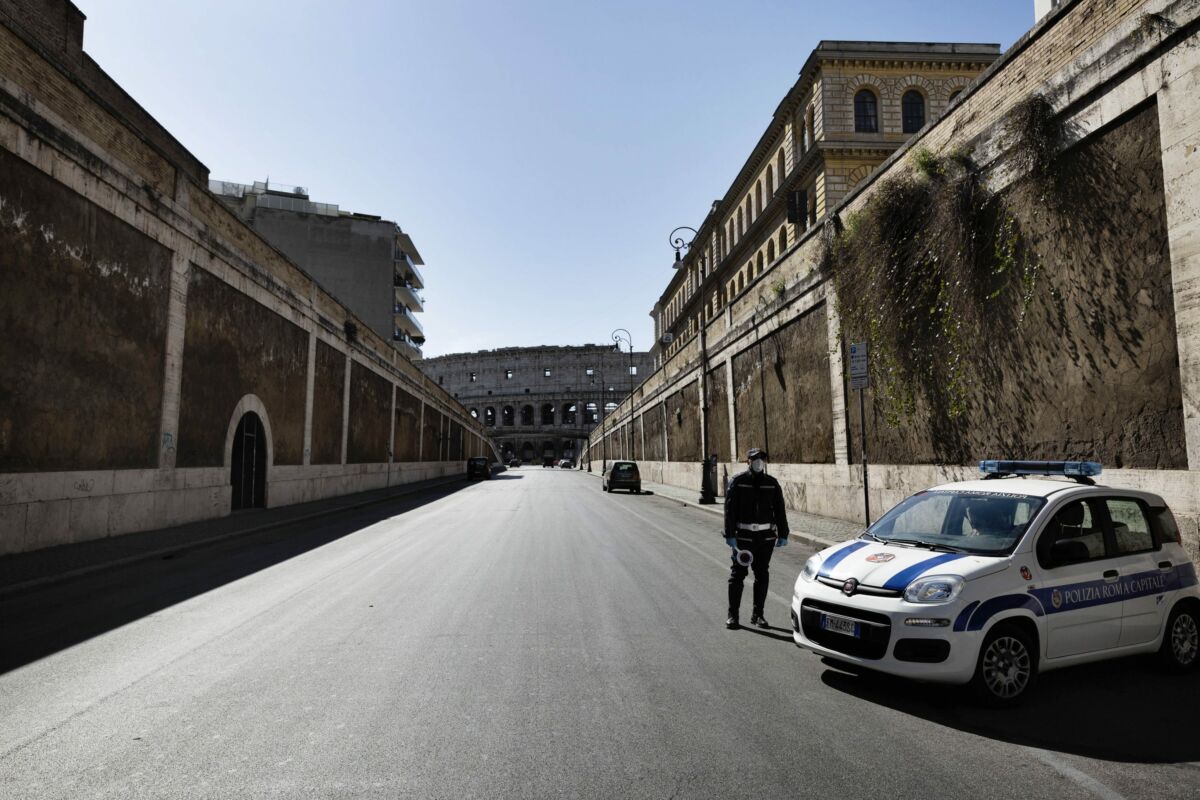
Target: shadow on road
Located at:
point(504, 476)
point(783, 637)
point(1123, 710)
point(43, 621)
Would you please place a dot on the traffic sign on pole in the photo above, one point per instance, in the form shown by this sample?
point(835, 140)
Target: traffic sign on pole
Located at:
point(858, 366)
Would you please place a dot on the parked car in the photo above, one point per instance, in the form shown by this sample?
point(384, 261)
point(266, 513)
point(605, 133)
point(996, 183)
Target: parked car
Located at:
point(990, 582)
point(479, 468)
point(567, 463)
point(514, 462)
point(622, 475)
point(548, 461)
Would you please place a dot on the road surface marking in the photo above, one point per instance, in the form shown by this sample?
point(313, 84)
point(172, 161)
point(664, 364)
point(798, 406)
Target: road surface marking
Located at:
point(1080, 778)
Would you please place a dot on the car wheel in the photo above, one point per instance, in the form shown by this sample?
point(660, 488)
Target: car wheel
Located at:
point(1006, 668)
point(1180, 651)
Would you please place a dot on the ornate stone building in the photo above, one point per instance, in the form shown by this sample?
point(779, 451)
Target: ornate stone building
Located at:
point(539, 402)
point(854, 104)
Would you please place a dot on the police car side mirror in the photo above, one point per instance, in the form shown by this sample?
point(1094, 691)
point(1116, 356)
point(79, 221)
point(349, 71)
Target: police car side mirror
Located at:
point(1068, 551)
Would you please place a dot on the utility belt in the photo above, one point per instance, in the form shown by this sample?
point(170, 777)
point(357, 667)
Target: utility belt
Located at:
point(755, 526)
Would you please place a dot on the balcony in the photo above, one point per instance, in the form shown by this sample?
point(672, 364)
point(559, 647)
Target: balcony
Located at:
point(407, 346)
point(406, 321)
point(407, 272)
point(406, 295)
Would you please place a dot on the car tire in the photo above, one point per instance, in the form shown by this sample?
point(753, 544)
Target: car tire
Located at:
point(1180, 650)
point(1006, 667)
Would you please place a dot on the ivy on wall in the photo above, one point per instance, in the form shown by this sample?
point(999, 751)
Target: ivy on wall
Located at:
point(935, 268)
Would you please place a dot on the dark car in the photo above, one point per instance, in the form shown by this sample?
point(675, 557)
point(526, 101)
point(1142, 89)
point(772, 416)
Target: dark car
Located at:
point(478, 468)
point(514, 462)
point(622, 475)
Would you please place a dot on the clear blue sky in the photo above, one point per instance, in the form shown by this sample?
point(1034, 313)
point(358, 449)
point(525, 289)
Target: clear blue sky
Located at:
point(538, 151)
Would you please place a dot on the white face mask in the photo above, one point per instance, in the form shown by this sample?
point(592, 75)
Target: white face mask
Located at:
point(757, 465)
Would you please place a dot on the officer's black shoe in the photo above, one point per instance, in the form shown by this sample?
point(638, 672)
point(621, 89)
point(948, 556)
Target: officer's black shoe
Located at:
point(732, 622)
point(759, 620)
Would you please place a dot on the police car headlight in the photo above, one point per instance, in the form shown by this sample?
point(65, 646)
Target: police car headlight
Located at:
point(810, 568)
point(934, 589)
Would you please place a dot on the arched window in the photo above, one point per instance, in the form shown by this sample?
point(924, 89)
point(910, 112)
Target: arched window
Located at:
point(912, 107)
point(610, 407)
point(758, 264)
point(955, 94)
point(741, 284)
point(770, 251)
point(740, 219)
point(591, 414)
point(548, 414)
point(526, 415)
point(866, 112)
point(770, 182)
point(810, 124)
point(728, 239)
point(474, 413)
point(507, 415)
point(782, 239)
point(758, 198)
point(489, 416)
point(779, 165)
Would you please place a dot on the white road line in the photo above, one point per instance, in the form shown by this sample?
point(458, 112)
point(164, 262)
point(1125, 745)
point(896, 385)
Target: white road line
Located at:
point(723, 564)
point(1080, 778)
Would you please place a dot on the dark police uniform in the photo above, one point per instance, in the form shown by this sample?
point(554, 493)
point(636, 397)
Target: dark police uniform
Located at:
point(755, 516)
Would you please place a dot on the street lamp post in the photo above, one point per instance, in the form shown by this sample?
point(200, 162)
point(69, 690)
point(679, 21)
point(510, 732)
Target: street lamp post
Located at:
point(627, 339)
point(708, 491)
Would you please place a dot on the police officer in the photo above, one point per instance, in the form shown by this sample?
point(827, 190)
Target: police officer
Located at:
point(755, 523)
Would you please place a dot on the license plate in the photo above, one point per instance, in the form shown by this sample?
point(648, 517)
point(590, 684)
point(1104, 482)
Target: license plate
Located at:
point(841, 625)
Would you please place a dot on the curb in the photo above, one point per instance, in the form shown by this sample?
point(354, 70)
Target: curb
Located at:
point(45, 580)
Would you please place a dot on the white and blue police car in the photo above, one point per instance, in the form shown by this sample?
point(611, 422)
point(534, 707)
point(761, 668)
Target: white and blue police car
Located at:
point(990, 582)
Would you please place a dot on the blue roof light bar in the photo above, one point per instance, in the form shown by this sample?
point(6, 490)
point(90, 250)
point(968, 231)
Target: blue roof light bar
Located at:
point(1072, 469)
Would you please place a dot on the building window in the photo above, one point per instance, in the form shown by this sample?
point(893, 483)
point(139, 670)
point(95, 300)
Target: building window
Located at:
point(546, 372)
point(589, 372)
point(508, 374)
point(473, 377)
point(955, 94)
point(439, 380)
point(913, 107)
point(866, 112)
point(633, 369)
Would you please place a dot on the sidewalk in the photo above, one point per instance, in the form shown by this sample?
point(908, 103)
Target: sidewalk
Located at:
point(22, 571)
point(817, 531)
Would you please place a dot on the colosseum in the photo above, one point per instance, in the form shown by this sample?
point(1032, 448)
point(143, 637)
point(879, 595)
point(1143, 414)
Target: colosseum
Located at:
point(540, 403)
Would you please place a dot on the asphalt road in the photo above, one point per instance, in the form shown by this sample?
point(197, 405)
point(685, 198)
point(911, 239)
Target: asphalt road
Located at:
point(527, 637)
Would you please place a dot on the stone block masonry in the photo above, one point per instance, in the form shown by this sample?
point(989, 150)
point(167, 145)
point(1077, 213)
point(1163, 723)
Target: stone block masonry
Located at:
point(153, 349)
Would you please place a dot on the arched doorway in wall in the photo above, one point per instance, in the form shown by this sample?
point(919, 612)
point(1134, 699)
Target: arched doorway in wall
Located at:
point(527, 452)
point(248, 463)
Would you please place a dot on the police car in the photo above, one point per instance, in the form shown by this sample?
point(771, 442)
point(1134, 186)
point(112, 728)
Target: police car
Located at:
point(990, 582)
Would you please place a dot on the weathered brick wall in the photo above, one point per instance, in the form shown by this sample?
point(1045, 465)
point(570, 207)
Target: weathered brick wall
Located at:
point(234, 347)
point(370, 416)
point(683, 423)
point(329, 377)
point(407, 435)
point(790, 370)
point(83, 316)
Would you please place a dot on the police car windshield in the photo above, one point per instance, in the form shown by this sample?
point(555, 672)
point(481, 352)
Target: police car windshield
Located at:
point(986, 523)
